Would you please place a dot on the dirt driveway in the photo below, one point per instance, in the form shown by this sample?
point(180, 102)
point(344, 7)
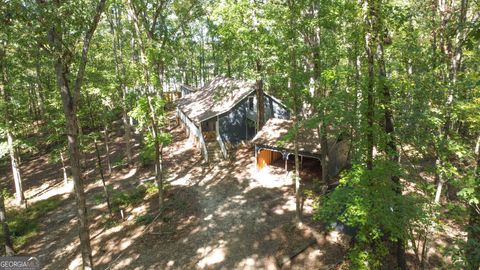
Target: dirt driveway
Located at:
point(218, 216)
point(228, 216)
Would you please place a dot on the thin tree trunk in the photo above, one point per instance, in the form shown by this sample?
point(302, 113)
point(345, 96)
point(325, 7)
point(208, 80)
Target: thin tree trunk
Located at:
point(439, 179)
point(370, 38)
point(64, 169)
point(102, 177)
point(99, 158)
point(121, 74)
point(127, 136)
point(391, 147)
point(298, 190)
point(70, 98)
point(473, 237)
point(19, 196)
point(159, 175)
point(260, 97)
point(229, 68)
point(296, 109)
point(40, 90)
point(8, 118)
point(324, 150)
point(258, 70)
point(107, 149)
point(6, 231)
point(153, 123)
point(74, 151)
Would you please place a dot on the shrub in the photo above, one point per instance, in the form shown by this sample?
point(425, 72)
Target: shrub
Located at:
point(367, 201)
point(144, 219)
point(127, 197)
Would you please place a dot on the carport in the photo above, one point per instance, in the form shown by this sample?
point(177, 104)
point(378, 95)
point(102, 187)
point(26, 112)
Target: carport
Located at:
point(272, 149)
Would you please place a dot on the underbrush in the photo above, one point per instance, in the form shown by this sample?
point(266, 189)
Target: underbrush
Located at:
point(25, 223)
point(120, 199)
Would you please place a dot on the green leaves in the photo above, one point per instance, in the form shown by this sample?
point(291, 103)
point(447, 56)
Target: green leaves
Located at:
point(367, 201)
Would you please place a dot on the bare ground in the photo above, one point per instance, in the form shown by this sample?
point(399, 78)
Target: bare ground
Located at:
point(217, 216)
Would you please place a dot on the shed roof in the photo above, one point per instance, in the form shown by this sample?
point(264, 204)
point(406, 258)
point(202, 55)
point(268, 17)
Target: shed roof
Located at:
point(273, 132)
point(217, 97)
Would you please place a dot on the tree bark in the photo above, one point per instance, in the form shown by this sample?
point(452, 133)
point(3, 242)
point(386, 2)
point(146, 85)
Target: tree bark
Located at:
point(6, 231)
point(153, 118)
point(391, 147)
point(298, 189)
point(74, 154)
point(99, 158)
point(473, 236)
point(370, 50)
point(8, 118)
point(17, 179)
point(260, 97)
point(121, 74)
point(102, 177)
point(64, 169)
point(40, 90)
point(70, 98)
point(292, 87)
point(107, 149)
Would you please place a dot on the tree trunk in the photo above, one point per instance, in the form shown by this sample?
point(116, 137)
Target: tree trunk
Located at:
point(70, 99)
point(296, 110)
point(121, 74)
point(64, 169)
point(17, 179)
point(40, 90)
point(8, 121)
point(127, 136)
point(102, 177)
point(324, 150)
point(229, 68)
point(107, 149)
point(473, 237)
point(260, 97)
point(370, 38)
point(298, 189)
point(159, 173)
point(391, 147)
point(438, 179)
point(153, 122)
point(69, 109)
point(97, 153)
point(6, 231)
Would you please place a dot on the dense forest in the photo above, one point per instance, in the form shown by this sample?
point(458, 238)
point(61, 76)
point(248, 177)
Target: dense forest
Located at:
point(90, 144)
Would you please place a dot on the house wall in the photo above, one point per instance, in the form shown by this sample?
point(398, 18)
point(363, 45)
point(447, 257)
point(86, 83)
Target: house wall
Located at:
point(233, 124)
point(194, 131)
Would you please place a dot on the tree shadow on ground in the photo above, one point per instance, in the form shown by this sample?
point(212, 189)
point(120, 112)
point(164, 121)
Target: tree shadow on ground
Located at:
point(219, 221)
point(216, 216)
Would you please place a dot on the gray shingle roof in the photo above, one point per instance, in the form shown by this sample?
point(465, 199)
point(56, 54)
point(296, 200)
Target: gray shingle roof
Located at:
point(217, 97)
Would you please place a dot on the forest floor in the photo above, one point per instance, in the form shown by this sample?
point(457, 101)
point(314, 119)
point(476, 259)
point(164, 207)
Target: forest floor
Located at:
point(217, 216)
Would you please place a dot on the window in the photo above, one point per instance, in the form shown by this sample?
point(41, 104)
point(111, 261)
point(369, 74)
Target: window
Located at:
point(250, 103)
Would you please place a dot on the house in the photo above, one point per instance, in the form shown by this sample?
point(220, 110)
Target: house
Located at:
point(272, 147)
point(224, 113)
